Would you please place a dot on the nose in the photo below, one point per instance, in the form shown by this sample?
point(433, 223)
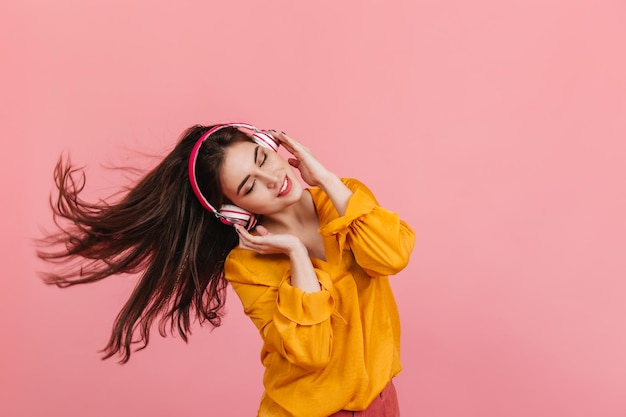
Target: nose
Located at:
point(271, 179)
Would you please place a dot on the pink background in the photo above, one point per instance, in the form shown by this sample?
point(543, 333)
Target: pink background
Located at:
point(495, 128)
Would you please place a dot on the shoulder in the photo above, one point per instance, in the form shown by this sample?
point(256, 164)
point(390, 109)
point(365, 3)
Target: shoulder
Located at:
point(356, 185)
point(359, 190)
point(352, 183)
point(326, 211)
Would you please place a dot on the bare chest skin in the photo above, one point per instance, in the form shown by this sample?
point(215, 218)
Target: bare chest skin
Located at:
point(313, 241)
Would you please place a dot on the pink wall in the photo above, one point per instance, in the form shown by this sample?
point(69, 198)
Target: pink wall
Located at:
point(497, 130)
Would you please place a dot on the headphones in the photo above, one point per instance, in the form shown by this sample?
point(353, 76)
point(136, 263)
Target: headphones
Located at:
point(228, 214)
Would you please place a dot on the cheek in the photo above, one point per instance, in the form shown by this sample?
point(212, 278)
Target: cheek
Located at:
point(230, 194)
point(255, 202)
point(226, 191)
point(276, 161)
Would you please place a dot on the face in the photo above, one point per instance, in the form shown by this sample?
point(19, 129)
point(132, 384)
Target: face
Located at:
point(258, 179)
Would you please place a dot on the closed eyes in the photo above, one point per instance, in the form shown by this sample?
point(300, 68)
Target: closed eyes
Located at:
point(264, 156)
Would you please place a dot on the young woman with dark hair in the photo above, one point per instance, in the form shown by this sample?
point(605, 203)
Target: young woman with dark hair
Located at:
point(310, 265)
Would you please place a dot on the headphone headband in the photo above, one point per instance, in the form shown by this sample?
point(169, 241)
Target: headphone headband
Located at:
point(228, 214)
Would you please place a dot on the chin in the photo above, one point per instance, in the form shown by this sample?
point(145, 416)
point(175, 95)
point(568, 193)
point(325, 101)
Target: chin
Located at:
point(296, 192)
point(294, 197)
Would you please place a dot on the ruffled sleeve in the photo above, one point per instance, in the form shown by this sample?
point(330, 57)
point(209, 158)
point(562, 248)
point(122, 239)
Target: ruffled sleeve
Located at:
point(297, 306)
point(292, 322)
point(380, 241)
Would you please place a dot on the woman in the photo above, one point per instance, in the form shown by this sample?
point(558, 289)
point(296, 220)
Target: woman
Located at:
point(309, 265)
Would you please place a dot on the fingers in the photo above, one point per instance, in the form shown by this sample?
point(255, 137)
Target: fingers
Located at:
point(262, 230)
point(250, 241)
point(264, 242)
point(244, 235)
point(246, 240)
point(288, 142)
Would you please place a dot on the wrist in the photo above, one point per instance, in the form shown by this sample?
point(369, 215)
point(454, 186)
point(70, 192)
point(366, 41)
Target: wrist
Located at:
point(298, 251)
point(329, 181)
point(338, 192)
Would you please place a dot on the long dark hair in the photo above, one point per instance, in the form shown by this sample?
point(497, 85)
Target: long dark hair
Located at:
point(158, 229)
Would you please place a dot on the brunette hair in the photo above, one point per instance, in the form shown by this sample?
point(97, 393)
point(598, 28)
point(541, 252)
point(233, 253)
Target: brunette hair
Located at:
point(159, 229)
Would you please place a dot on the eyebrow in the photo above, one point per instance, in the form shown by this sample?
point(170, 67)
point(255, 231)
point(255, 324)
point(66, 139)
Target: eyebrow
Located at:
point(256, 155)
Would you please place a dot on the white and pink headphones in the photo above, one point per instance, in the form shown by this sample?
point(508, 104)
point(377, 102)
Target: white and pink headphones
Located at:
point(228, 213)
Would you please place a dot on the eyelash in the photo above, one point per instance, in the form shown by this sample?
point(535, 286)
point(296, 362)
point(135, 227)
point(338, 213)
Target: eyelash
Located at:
point(253, 182)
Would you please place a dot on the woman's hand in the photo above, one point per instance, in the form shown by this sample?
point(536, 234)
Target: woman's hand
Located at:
point(267, 243)
point(314, 173)
point(302, 272)
point(311, 170)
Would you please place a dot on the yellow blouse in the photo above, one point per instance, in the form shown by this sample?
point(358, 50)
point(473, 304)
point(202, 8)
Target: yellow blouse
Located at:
point(339, 347)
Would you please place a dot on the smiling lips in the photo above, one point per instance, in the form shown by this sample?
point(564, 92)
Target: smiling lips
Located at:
point(286, 187)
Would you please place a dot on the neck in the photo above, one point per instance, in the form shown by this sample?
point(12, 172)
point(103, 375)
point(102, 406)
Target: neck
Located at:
point(293, 217)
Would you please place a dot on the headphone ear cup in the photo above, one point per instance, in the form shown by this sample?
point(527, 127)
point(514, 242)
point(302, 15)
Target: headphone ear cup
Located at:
point(265, 139)
point(231, 215)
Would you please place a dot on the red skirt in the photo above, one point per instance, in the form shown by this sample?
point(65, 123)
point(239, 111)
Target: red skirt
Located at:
point(384, 405)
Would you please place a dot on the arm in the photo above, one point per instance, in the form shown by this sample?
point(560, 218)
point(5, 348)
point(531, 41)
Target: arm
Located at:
point(314, 173)
point(302, 274)
point(292, 323)
point(380, 241)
